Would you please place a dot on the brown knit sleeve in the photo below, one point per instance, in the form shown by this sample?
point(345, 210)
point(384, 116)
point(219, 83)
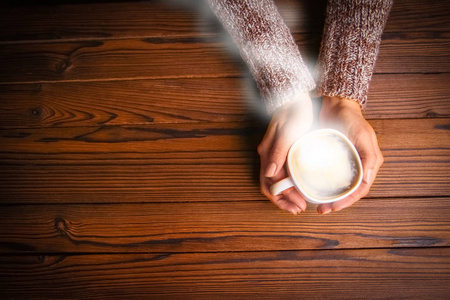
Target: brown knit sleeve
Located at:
point(350, 45)
point(268, 48)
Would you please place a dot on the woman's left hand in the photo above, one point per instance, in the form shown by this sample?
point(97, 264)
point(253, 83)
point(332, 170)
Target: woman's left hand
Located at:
point(345, 115)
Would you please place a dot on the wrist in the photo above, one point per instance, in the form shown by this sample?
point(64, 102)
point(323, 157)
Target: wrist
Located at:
point(332, 105)
point(302, 101)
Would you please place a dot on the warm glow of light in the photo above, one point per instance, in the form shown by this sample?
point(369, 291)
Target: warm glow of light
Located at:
point(324, 165)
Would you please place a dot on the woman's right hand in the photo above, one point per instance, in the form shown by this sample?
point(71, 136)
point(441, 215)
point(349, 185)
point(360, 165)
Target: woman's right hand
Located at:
point(288, 124)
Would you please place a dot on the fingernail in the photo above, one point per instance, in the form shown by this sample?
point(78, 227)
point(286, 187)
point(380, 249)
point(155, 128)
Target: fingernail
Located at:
point(326, 211)
point(270, 171)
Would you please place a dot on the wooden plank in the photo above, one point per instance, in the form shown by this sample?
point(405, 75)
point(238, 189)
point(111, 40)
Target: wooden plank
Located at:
point(405, 16)
point(408, 96)
point(222, 226)
point(342, 274)
point(414, 52)
point(125, 102)
point(170, 18)
point(116, 59)
point(193, 162)
point(190, 57)
point(68, 21)
point(417, 15)
point(194, 100)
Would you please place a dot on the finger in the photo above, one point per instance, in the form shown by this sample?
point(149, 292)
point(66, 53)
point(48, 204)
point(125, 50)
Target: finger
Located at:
point(338, 205)
point(279, 200)
point(371, 157)
point(359, 193)
point(277, 156)
point(351, 199)
point(267, 142)
point(265, 147)
point(295, 197)
point(286, 205)
point(379, 162)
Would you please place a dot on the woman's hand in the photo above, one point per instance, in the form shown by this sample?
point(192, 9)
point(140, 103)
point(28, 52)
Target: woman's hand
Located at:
point(288, 123)
point(345, 115)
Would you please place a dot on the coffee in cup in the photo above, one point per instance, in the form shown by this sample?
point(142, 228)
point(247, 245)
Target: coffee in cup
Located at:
point(323, 166)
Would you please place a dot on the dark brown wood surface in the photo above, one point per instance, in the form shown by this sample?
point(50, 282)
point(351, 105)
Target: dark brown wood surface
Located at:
point(221, 226)
point(36, 105)
point(412, 273)
point(159, 18)
point(152, 58)
point(128, 164)
point(207, 161)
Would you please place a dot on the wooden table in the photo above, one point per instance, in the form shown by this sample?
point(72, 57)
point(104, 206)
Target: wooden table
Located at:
point(128, 163)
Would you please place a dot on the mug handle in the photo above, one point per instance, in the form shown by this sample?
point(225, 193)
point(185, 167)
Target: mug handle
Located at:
point(281, 185)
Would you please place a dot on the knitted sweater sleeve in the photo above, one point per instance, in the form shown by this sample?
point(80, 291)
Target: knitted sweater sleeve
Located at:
point(267, 47)
point(350, 44)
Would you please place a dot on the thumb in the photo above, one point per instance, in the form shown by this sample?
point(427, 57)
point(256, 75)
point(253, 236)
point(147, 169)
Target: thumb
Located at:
point(277, 157)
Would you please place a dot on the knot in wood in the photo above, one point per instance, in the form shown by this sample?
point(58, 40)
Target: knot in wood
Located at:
point(63, 66)
point(35, 112)
point(61, 226)
point(41, 259)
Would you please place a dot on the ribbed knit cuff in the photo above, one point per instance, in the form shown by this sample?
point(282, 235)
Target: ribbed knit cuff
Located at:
point(350, 44)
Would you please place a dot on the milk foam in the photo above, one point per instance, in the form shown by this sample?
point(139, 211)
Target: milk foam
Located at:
point(324, 166)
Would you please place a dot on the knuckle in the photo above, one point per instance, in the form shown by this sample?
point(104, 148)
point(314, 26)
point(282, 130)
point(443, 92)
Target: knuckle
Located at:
point(381, 158)
point(259, 149)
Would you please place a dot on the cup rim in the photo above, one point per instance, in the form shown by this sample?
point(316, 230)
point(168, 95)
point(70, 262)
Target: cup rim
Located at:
point(298, 186)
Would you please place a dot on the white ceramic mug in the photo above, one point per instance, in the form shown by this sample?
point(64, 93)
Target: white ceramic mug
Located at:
point(323, 166)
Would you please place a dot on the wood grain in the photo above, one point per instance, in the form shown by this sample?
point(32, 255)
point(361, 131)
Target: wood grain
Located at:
point(99, 21)
point(414, 52)
point(128, 164)
point(343, 274)
point(222, 226)
point(154, 58)
point(125, 102)
point(418, 16)
point(408, 96)
point(169, 18)
point(116, 59)
point(191, 100)
point(193, 162)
